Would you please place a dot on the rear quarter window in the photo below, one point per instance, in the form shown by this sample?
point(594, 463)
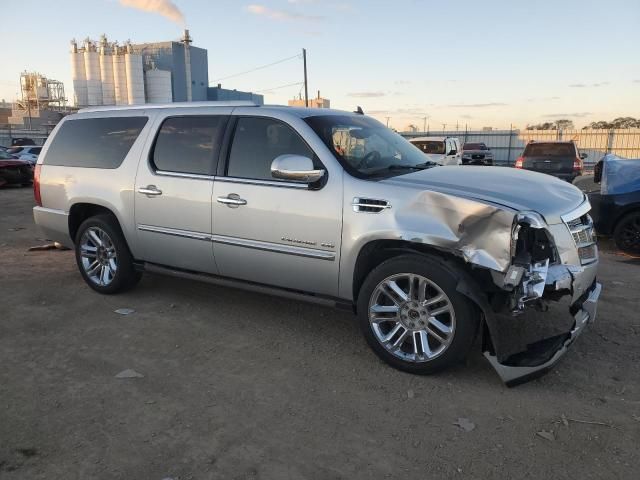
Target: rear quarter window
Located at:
point(94, 142)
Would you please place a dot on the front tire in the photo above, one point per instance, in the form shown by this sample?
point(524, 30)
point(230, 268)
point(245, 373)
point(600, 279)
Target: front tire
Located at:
point(413, 317)
point(103, 256)
point(627, 233)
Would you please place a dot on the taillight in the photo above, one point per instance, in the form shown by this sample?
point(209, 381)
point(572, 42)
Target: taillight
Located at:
point(519, 162)
point(36, 185)
point(577, 165)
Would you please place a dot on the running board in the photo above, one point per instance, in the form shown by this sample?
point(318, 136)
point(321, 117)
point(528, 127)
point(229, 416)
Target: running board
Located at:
point(246, 285)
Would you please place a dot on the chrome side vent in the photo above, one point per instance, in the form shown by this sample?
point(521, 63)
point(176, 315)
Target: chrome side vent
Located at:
point(369, 205)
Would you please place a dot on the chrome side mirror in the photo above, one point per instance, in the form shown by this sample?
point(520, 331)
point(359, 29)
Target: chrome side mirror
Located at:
point(295, 168)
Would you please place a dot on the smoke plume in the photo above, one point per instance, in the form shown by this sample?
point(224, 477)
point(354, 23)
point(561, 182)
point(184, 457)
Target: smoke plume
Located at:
point(166, 8)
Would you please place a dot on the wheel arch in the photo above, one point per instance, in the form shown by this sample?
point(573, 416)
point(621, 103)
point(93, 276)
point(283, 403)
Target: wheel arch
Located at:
point(375, 252)
point(79, 212)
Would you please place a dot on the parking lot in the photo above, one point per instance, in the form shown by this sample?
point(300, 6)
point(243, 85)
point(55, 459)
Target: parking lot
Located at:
point(229, 384)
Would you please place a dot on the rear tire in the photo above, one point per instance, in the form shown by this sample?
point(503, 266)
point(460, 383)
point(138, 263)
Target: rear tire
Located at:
point(103, 256)
point(437, 322)
point(627, 233)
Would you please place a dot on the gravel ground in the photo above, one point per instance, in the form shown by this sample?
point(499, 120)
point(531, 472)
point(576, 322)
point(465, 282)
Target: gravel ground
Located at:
point(239, 385)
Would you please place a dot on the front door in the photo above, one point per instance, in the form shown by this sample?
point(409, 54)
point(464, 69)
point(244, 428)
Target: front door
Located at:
point(173, 192)
point(275, 232)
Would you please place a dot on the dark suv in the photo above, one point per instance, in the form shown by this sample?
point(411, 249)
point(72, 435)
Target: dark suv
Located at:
point(560, 159)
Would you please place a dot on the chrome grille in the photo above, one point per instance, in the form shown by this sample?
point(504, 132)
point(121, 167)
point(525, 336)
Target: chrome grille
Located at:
point(581, 229)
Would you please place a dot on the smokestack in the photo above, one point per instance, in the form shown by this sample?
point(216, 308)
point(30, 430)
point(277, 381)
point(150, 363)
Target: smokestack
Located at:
point(187, 63)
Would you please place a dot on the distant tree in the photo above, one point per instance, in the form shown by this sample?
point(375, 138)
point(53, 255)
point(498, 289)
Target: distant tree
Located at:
point(564, 124)
point(620, 122)
point(412, 128)
point(543, 126)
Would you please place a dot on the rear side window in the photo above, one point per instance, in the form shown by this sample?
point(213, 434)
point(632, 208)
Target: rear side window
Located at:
point(257, 142)
point(35, 151)
point(550, 150)
point(189, 144)
point(94, 142)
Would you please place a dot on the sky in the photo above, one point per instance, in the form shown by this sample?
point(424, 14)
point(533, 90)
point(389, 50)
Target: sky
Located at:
point(470, 63)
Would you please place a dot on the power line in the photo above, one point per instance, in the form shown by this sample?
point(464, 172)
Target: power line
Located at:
point(281, 86)
point(256, 68)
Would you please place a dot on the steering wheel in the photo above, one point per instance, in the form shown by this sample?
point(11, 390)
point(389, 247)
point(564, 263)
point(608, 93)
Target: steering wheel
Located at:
point(372, 156)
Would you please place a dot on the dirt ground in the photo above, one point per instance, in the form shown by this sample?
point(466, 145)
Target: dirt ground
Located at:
point(240, 385)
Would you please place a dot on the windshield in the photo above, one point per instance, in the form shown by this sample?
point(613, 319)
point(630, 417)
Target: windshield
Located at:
point(431, 146)
point(474, 146)
point(365, 147)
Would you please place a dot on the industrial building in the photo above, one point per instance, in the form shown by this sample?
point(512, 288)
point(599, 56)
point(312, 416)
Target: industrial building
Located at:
point(105, 73)
point(42, 104)
point(317, 102)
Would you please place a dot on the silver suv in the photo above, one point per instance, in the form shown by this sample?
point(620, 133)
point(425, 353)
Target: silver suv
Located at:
point(329, 207)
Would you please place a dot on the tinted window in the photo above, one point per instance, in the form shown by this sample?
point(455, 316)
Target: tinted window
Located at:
point(35, 151)
point(550, 150)
point(188, 144)
point(94, 142)
point(257, 142)
point(15, 150)
point(431, 146)
point(474, 146)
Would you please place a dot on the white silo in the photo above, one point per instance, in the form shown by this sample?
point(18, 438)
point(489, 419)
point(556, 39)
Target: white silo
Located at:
point(92, 71)
point(157, 84)
point(119, 77)
point(78, 75)
point(135, 77)
point(106, 73)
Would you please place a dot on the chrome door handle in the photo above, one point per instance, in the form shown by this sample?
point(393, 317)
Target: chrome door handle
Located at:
point(232, 200)
point(150, 190)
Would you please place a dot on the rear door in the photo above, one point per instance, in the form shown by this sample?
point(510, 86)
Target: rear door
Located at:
point(552, 158)
point(174, 185)
point(272, 231)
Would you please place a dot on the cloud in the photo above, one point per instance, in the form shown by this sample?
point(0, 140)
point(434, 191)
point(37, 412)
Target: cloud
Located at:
point(166, 8)
point(402, 82)
point(586, 85)
point(568, 115)
point(280, 15)
point(637, 80)
point(542, 99)
point(467, 117)
point(478, 105)
point(366, 94)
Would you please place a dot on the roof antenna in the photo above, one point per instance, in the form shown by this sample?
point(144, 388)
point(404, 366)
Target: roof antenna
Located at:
point(359, 110)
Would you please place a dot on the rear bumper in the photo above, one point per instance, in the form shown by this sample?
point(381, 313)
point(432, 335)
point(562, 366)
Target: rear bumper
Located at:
point(54, 224)
point(551, 349)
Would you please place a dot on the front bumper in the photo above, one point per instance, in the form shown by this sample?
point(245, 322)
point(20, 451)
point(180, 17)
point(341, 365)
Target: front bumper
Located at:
point(541, 356)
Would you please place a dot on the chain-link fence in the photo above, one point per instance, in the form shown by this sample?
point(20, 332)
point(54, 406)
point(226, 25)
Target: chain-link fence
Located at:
point(507, 145)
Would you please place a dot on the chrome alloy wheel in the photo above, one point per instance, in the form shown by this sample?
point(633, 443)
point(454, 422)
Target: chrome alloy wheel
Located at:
point(412, 317)
point(98, 255)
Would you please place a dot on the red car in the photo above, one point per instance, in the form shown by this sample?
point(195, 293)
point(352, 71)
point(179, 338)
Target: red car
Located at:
point(14, 171)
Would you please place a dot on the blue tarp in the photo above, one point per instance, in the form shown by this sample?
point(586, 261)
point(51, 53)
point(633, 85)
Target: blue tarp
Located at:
point(620, 175)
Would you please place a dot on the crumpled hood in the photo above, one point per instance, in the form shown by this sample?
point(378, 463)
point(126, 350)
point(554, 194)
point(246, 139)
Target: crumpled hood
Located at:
point(517, 189)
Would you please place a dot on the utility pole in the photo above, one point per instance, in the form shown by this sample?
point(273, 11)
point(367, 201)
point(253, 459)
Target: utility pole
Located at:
point(424, 123)
point(387, 121)
point(444, 127)
point(306, 90)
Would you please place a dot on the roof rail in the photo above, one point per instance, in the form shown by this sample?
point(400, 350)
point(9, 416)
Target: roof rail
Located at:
point(147, 106)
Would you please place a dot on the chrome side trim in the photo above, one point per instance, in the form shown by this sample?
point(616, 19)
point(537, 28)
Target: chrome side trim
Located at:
point(268, 183)
point(175, 232)
point(243, 242)
point(54, 211)
point(275, 247)
point(194, 176)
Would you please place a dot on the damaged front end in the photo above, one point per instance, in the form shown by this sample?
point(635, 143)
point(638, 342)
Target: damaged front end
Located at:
point(550, 281)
